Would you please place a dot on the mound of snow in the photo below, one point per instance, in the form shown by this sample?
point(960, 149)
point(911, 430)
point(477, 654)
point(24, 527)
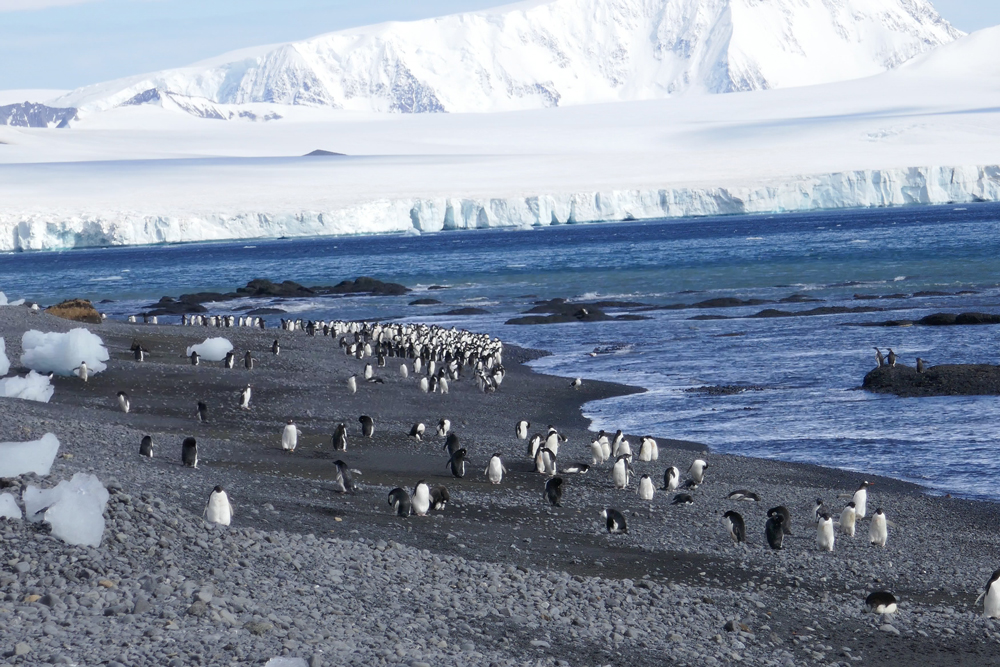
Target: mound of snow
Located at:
point(8, 507)
point(213, 349)
point(5, 302)
point(4, 361)
point(74, 509)
point(31, 387)
point(61, 353)
point(18, 458)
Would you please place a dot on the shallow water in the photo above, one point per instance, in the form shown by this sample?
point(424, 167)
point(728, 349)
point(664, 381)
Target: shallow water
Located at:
point(809, 367)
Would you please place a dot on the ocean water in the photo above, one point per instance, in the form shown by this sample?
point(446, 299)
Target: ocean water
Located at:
point(806, 370)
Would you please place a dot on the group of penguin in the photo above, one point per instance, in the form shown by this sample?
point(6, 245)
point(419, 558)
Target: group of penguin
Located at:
point(890, 360)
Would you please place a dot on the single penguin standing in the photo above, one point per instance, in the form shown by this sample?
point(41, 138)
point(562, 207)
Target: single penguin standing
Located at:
point(189, 453)
point(417, 431)
point(991, 593)
point(671, 478)
point(774, 530)
point(646, 490)
point(202, 413)
point(553, 491)
point(343, 482)
point(352, 384)
point(891, 358)
point(218, 510)
point(882, 602)
point(443, 427)
point(245, 398)
point(367, 426)
point(521, 429)
point(825, 537)
point(733, 521)
point(879, 359)
point(861, 499)
point(920, 365)
point(621, 471)
point(248, 361)
point(81, 371)
point(230, 360)
point(123, 402)
point(399, 499)
point(495, 469)
point(289, 436)
point(425, 386)
point(576, 383)
point(275, 347)
point(818, 510)
point(614, 521)
point(457, 463)
point(596, 453)
point(146, 446)
point(403, 370)
point(195, 358)
point(786, 518)
point(369, 372)
point(648, 449)
point(697, 471)
point(878, 533)
point(848, 519)
point(340, 438)
point(421, 500)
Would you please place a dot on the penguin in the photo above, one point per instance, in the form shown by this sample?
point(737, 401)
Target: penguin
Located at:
point(733, 521)
point(682, 499)
point(617, 443)
point(697, 471)
point(877, 532)
point(400, 501)
point(545, 461)
point(521, 429)
point(534, 445)
point(671, 478)
point(123, 402)
point(602, 438)
point(443, 427)
point(825, 537)
point(230, 360)
point(786, 518)
point(615, 521)
point(848, 519)
point(189, 453)
point(289, 437)
point(553, 491)
point(495, 469)
point(879, 359)
point(457, 463)
point(882, 602)
point(195, 358)
point(624, 448)
point(245, 398)
point(403, 371)
point(352, 384)
point(248, 361)
point(818, 510)
point(340, 438)
point(81, 371)
point(774, 530)
point(369, 372)
point(418, 363)
point(451, 444)
point(139, 353)
point(146, 446)
point(646, 490)
point(367, 426)
point(343, 482)
point(576, 469)
point(425, 385)
point(920, 365)
point(648, 449)
point(421, 499)
point(275, 347)
point(443, 385)
point(439, 498)
point(202, 413)
point(417, 431)
point(621, 470)
point(861, 499)
point(991, 593)
point(744, 495)
point(596, 453)
point(576, 383)
point(218, 510)
point(891, 359)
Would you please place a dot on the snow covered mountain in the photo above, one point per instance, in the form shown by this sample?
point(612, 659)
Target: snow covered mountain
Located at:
point(546, 53)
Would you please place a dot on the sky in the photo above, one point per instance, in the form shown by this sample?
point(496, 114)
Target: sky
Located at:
point(65, 44)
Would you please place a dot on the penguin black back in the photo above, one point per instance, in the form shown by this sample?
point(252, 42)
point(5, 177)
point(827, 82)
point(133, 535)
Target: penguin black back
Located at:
point(457, 463)
point(553, 491)
point(786, 518)
point(189, 453)
point(614, 521)
point(774, 530)
point(451, 444)
point(400, 501)
point(367, 426)
point(146, 446)
point(736, 526)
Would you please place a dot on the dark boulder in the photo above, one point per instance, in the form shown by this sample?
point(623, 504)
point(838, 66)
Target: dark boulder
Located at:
point(944, 380)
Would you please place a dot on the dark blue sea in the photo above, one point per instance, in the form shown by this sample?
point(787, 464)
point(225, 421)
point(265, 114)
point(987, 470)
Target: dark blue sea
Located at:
point(807, 369)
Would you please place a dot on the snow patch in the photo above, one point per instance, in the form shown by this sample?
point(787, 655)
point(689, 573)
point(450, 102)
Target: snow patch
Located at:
point(61, 353)
point(19, 458)
point(8, 507)
point(31, 387)
point(74, 509)
point(213, 349)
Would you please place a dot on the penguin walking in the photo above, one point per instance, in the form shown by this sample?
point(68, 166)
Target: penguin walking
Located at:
point(860, 499)
point(443, 427)
point(289, 437)
point(195, 358)
point(697, 471)
point(367, 426)
point(878, 533)
point(417, 431)
point(521, 429)
point(774, 530)
point(439, 498)
point(882, 602)
point(616, 444)
point(421, 500)
point(343, 482)
point(648, 449)
point(352, 384)
point(443, 385)
point(275, 347)
point(248, 361)
point(733, 521)
point(218, 510)
point(340, 438)
point(621, 471)
point(818, 510)
point(825, 536)
point(123, 402)
point(451, 444)
point(189, 453)
point(879, 359)
point(399, 499)
point(425, 386)
point(403, 371)
point(553, 491)
point(614, 521)
point(202, 413)
point(545, 461)
point(230, 360)
point(671, 478)
point(596, 453)
point(534, 445)
point(369, 372)
point(646, 489)
point(139, 353)
point(848, 519)
point(495, 469)
point(786, 518)
point(245, 398)
point(457, 463)
point(82, 371)
point(991, 593)
point(146, 446)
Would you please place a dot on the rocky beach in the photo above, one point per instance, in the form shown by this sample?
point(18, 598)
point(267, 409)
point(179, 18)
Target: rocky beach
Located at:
point(498, 577)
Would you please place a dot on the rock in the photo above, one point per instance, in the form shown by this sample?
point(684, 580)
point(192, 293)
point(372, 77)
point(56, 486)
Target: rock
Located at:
point(944, 380)
point(21, 648)
point(889, 628)
point(50, 600)
point(258, 628)
point(365, 285)
point(78, 310)
point(466, 311)
point(199, 609)
point(141, 606)
point(425, 302)
point(540, 643)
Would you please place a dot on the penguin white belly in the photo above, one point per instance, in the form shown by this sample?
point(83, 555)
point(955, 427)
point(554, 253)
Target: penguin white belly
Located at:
point(860, 503)
point(218, 510)
point(991, 605)
point(848, 521)
point(290, 438)
point(552, 442)
point(878, 534)
point(646, 489)
point(606, 449)
point(421, 501)
point(824, 535)
point(620, 474)
point(495, 471)
point(596, 453)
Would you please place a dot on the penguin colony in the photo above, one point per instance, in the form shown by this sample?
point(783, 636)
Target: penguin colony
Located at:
point(437, 356)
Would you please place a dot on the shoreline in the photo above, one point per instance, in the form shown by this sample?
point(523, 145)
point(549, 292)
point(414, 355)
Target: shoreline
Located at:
point(676, 553)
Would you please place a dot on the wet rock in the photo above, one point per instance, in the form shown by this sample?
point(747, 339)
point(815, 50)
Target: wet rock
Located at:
point(944, 380)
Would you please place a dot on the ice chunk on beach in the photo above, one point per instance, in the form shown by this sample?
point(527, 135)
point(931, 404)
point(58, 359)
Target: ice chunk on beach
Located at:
point(61, 353)
point(74, 509)
point(31, 387)
point(8, 507)
point(18, 458)
point(4, 361)
point(5, 302)
point(213, 349)
point(287, 662)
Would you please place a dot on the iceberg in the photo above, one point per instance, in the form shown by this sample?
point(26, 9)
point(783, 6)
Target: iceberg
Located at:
point(74, 509)
point(18, 458)
point(8, 507)
point(31, 387)
point(213, 349)
point(61, 353)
